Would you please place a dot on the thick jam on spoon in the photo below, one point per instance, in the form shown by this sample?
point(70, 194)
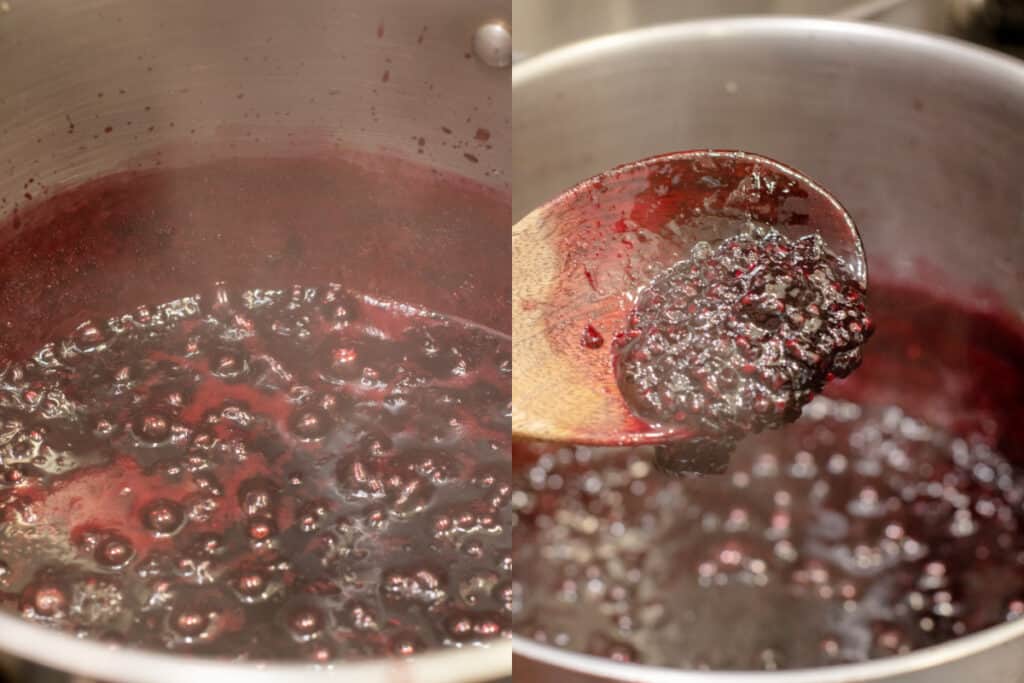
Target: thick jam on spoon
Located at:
point(735, 284)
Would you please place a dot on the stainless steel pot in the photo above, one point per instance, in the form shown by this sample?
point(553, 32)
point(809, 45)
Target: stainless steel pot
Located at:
point(95, 86)
point(543, 25)
point(921, 137)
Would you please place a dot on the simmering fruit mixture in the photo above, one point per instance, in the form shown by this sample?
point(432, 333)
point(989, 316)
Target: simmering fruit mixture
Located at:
point(267, 473)
point(257, 470)
point(888, 518)
point(737, 337)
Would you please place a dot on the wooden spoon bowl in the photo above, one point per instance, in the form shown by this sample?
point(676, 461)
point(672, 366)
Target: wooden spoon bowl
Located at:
point(579, 261)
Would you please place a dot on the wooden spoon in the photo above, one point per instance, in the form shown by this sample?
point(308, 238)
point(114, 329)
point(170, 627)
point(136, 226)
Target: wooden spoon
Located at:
point(579, 261)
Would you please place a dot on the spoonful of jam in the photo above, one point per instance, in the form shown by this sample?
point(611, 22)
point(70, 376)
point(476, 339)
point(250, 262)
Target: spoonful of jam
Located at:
point(685, 299)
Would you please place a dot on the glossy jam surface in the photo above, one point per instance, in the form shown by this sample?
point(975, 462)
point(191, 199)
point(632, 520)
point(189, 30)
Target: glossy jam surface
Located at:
point(284, 473)
point(380, 225)
point(888, 518)
point(737, 337)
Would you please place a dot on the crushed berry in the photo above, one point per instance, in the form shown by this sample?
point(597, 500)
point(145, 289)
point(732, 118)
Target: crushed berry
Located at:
point(740, 335)
point(591, 338)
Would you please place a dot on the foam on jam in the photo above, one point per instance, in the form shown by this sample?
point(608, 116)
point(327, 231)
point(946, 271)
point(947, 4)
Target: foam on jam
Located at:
point(739, 336)
point(282, 473)
point(887, 519)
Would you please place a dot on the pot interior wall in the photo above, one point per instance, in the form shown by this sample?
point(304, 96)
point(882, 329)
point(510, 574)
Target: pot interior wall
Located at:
point(930, 172)
point(106, 86)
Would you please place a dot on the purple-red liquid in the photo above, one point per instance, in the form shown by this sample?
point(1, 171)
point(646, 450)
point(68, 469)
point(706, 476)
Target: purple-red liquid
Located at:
point(886, 519)
point(379, 225)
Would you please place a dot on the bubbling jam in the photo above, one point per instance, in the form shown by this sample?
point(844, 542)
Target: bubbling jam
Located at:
point(284, 473)
point(887, 519)
point(739, 336)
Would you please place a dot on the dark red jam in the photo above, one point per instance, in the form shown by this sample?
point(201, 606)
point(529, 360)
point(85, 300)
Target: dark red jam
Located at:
point(740, 335)
point(282, 473)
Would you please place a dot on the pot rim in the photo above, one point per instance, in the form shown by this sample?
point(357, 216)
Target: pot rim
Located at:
point(537, 66)
point(118, 664)
point(605, 47)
